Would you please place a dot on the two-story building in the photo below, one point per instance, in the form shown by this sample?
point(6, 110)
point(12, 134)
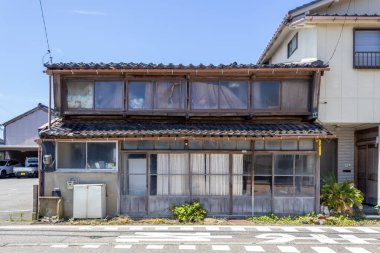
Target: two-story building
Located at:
point(241, 139)
point(345, 34)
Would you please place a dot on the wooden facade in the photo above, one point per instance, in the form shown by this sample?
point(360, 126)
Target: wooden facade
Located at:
point(236, 166)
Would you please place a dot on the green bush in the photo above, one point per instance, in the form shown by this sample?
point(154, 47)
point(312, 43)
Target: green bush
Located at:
point(189, 212)
point(341, 197)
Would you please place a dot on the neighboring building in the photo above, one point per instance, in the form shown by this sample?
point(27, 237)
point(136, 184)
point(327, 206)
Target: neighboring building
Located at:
point(2, 153)
point(242, 139)
point(345, 35)
point(21, 132)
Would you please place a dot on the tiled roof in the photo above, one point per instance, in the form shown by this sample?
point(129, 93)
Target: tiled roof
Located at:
point(123, 65)
point(343, 15)
point(125, 128)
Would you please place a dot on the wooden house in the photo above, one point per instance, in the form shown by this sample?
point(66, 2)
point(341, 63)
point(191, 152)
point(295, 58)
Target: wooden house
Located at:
point(241, 139)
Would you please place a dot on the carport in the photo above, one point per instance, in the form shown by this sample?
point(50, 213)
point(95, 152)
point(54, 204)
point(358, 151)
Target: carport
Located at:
point(19, 152)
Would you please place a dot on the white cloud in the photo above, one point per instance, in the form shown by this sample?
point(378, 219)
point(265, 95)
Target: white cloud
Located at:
point(86, 12)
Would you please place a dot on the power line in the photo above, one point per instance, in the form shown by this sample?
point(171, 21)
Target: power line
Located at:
point(46, 36)
point(340, 34)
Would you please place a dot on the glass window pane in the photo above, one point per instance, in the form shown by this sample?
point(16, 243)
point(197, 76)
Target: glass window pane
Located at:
point(263, 186)
point(153, 164)
point(289, 145)
point(283, 186)
point(200, 185)
point(219, 185)
point(273, 145)
point(367, 41)
point(242, 185)
point(71, 155)
point(228, 145)
point(140, 95)
point(204, 95)
point(259, 145)
point(159, 185)
point(109, 95)
point(234, 95)
point(306, 145)
point(162, 145)
point(305, 186)
point(247, 163)
point(195, 144)
point(210, 144)
point(137, 185)
point(263, 165)
point(243, 145)
point(179, 185)
point(295, 95)
point(80, 94)
point(101, 155)
point(168, 95)
point(305, 164)
point(146, 145)
point(266, 95)
point(130, 145)
point(283, 164)
point(177, 145)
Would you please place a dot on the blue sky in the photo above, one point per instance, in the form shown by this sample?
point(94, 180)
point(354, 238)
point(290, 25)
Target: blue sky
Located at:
point(168, 31)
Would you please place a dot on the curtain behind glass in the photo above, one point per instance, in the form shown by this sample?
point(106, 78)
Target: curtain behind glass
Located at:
point(163, 174)
point(200, 178)
point(109, 95)
point(204, 95)
point(179, 174)
point(219, 184)
point(237, 170)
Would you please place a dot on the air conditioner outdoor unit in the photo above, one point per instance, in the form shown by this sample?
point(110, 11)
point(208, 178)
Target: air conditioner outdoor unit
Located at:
point(89, 201)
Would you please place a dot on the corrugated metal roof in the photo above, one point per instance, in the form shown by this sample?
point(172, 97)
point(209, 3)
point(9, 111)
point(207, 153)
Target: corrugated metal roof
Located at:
point(126, 128)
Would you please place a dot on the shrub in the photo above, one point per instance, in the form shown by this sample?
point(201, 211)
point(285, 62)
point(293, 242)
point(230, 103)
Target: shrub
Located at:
point(189, 212)
point(341, 197)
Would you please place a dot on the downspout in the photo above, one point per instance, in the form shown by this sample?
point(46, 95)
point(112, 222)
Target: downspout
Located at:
point(49, 112)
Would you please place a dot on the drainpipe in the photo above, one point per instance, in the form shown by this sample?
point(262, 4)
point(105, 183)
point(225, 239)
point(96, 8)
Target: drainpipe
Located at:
point(49, 112)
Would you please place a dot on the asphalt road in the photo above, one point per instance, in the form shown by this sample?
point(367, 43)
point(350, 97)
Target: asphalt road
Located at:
point(308, 239)
point(16, 196)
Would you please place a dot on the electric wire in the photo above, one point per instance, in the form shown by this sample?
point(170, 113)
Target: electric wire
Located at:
point(340, 34)
point(46, 36)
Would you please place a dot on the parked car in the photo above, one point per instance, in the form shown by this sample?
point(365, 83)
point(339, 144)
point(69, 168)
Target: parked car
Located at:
point(30, 169)
point(6, 167)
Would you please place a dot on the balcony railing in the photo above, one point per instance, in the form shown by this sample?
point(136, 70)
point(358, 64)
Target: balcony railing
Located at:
point(367, 60)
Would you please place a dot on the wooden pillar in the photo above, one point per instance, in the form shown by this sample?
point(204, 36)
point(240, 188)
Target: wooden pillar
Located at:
point(317, 178)
point(378, 165)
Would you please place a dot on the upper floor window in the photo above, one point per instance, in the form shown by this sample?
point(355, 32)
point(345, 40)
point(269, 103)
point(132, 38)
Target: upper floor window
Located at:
point(367, 48)
point(293, 45)
point(83, 94)
point(226, 95)
point(281, 96)
point(163, 95)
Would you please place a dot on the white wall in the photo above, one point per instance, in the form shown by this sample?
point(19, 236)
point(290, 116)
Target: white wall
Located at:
point(307, 47)
point(347, 95)
point(25, 130)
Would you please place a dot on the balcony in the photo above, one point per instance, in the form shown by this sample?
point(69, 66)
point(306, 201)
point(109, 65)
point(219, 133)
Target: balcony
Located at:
point(367, 60)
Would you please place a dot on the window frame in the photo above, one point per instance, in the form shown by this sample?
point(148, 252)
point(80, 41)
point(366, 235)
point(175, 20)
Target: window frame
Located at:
point(154, 82)
point(290, 43)
point(219, 80)
point(354, 65)
point(277, 109)
point(86, 169)
point(93, 82)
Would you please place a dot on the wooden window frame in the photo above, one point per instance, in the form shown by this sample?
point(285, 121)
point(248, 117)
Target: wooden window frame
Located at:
point(93, 109)
point(219, 109)
point(87, 170)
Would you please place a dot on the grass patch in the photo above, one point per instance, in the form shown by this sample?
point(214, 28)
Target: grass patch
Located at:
point(312, 219)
